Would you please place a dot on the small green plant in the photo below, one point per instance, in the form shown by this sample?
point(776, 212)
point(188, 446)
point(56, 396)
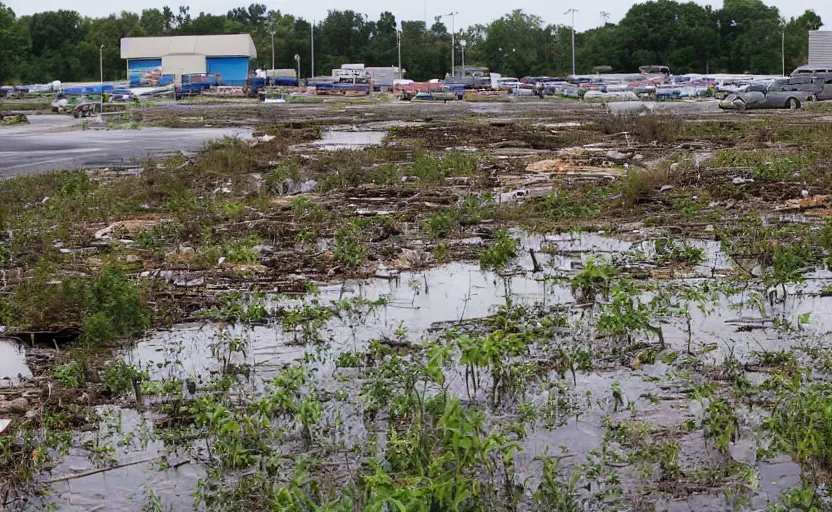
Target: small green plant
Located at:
point(120, 378)
point(276, 182)
point(501, 251)
point(440, 225)
point(720, 424)
point(594, 278)
point(555, 494)
point(242, 252)
point(236, 307)
point(309, 416)
point(668, 251)
point(114, 308)
point(70, 375)
point(348, 248)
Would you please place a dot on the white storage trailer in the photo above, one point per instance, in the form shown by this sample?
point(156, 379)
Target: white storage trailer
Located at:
point(820, 48)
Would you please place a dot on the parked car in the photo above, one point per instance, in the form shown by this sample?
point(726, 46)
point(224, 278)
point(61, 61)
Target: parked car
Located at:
point(787, 93)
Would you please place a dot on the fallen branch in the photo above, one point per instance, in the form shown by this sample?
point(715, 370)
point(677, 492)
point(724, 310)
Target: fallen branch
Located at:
point(102, 470)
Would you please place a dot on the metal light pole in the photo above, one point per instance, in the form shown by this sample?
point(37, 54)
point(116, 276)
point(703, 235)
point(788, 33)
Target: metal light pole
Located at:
point(297, 59)
point(101, 68)
point(463, 43)
point(783, 45)
point(312, 36)
point(554, 34)
point(573, 11)
point(453, 40)
point(399, 45)
point(272, 53)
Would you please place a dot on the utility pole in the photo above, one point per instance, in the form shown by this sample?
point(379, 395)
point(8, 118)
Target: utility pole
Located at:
point(573, 11)
point(453, 40)
point(399, 45)
point(312, 36)
point(101, 68)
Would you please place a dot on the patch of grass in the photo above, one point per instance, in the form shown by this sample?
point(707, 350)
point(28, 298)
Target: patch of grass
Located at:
point(275, 181)
point(563, 204)
point(435, 167)
point(70, 375)
point(106, 307)
point(242, 252)
point(767, 165)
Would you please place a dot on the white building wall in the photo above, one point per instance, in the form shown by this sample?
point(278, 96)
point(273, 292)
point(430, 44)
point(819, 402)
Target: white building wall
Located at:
point(179, 64)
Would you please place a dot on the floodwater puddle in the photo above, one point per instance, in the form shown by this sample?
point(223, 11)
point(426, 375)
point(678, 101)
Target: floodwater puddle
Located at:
point(422, 306)
point(334, 140)
point(147, 471)
point(415, 300)
point(13, 365)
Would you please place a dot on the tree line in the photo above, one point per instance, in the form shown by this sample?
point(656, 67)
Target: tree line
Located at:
point(744, 36)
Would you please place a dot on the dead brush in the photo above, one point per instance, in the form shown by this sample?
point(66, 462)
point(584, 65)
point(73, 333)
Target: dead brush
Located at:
point(639, 185)
point(762, 133)
point(646, 128)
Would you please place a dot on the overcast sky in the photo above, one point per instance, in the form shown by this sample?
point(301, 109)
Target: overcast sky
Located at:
point(471, 11)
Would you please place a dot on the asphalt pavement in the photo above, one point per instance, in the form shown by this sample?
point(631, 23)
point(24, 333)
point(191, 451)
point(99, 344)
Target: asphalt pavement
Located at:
point(52, 143)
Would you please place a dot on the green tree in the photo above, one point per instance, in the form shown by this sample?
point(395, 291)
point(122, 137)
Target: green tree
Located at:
point(516, 44)
point(797, 39)
point(749, 39)
point(12, 44)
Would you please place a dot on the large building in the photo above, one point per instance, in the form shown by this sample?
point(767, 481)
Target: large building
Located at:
point(820, 48)
point(226, 56)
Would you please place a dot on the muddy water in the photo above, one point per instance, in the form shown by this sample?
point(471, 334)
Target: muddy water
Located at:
point(420, 301)
point(416, 300)
point(12, 363)
point(129, 488)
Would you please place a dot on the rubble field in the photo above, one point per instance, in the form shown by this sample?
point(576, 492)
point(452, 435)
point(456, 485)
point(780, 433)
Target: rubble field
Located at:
point(393, 307)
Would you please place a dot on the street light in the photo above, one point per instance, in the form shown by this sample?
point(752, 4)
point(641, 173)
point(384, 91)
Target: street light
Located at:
point(101, 68)
point(554, 34)
point(272, 31)
point(463, 44)
point(453, 40)
point(399, 45)
point(783, 44)
point(312, 36)
point(573, 11)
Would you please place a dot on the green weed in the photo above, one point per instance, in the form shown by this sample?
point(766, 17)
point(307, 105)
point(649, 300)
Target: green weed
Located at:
point(501, 251)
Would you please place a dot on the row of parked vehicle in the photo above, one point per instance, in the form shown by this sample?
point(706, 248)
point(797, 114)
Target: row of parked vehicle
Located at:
point(792, 93)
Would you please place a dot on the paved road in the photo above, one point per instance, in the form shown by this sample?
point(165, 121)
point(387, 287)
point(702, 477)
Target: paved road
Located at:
point(52, 143)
